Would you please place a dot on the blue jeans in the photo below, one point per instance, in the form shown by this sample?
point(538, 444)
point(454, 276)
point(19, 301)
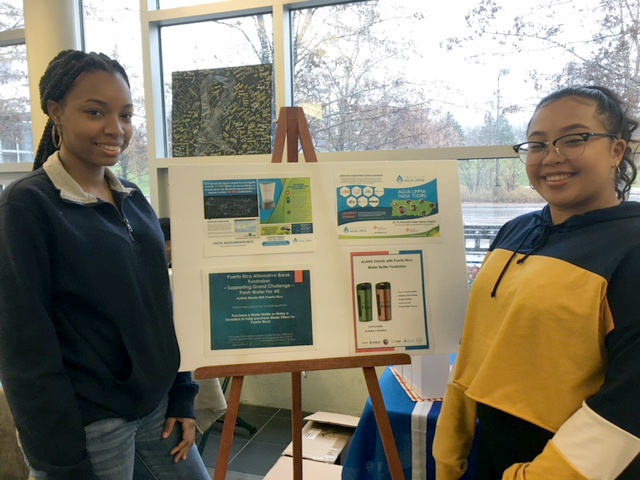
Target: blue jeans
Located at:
point(125, 450)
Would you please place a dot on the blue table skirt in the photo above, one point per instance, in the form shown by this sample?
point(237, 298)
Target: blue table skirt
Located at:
point(366, 459)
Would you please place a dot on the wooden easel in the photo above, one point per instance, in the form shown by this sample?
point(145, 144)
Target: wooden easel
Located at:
point(296, 367)
point(292, 125)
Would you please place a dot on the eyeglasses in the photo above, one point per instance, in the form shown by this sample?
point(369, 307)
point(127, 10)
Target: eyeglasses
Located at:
point(567, 146)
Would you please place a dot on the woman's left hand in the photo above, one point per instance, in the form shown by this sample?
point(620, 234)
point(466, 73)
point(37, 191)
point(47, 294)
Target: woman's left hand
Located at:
point(181, 450)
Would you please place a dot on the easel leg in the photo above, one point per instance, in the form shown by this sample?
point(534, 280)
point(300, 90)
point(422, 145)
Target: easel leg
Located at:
point(384, 425)
point(281, 134)
point(292, 138)
point(228, 431)
point(305, 137)
point(296, 423)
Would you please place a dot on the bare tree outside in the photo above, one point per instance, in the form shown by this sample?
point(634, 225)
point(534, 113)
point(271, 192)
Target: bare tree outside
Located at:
point(383, 74)
point(11, 15)
point(236, 42)
point(555, 43)
point(16, 143)
point(346, 75)
point(599, 41)
point(101, 19)
point(346, 63)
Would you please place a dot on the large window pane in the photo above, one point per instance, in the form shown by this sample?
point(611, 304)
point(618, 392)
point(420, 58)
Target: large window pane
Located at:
point(113, 28)
point(16, 144)
point(493, 192)
point(390, 74)
point(11, 15)
point(228, 45)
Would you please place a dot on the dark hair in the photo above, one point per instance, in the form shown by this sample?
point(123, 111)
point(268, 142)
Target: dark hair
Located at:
point(59, 79)
point(613, 112)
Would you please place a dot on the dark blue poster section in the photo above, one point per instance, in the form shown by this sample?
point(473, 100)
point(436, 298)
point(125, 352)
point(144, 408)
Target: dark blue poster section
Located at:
point(260, 309)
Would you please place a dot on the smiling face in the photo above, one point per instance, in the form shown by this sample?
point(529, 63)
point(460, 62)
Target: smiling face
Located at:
point(95, 119)
point(578, 185)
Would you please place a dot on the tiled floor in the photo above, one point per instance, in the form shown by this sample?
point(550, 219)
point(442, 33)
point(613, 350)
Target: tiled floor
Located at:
point(252, 456)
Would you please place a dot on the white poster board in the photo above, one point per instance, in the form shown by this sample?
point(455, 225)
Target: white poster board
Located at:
point(278, 262)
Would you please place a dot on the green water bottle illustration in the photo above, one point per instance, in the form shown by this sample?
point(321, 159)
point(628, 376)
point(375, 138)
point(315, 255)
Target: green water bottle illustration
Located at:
point(363, 291)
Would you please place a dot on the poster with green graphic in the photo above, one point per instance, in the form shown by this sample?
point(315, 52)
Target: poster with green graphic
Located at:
point(388, 203)
point(285, 201)
point(257, 215)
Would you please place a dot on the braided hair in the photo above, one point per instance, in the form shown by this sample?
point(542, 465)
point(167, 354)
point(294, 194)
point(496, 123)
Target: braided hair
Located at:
point(613, 112)
point(59, 79)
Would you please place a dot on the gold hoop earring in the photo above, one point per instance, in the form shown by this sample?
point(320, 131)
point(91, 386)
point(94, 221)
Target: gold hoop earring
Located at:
point(617, 170)
point(56, 136)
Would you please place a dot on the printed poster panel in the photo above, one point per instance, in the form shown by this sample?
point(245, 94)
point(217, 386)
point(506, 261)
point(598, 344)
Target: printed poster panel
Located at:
point(257, 215)
point(388, 296)
point(260, 309)
point(230, 219)
point(387, 203)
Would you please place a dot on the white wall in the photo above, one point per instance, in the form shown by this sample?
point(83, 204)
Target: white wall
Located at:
point(337, 391)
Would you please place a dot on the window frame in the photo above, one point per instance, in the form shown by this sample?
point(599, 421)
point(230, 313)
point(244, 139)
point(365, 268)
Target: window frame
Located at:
point(153, 19)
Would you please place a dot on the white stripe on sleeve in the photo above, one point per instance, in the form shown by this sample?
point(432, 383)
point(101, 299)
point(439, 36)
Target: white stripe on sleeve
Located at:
point(597, 448)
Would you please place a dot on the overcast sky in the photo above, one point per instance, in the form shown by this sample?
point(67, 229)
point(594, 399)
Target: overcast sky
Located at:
point(463, 80)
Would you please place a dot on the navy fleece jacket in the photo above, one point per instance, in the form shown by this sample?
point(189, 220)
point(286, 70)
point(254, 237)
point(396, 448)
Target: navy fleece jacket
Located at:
point(86, 327)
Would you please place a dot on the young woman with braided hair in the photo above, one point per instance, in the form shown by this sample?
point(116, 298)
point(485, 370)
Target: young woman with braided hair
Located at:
point(88, 352)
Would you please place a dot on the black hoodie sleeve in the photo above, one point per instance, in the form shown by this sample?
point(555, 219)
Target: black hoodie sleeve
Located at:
point(181, 397)
point(33, 376)
point(618, 398)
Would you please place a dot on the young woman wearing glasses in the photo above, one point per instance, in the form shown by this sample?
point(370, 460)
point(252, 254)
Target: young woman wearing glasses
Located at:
point(547, 378)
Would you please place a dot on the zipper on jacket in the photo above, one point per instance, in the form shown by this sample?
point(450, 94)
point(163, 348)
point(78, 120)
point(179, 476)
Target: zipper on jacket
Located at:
point(129, 228)
point(124, 219)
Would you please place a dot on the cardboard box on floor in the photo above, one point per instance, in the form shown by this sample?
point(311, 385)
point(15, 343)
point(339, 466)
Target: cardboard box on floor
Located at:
point(283, 470)
point(324, 436)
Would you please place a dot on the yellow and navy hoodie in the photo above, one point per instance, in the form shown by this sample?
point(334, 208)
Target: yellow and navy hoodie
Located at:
point(552, 339)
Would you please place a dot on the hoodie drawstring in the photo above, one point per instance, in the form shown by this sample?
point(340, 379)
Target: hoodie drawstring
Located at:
point(506, 266)
point(546, 230)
